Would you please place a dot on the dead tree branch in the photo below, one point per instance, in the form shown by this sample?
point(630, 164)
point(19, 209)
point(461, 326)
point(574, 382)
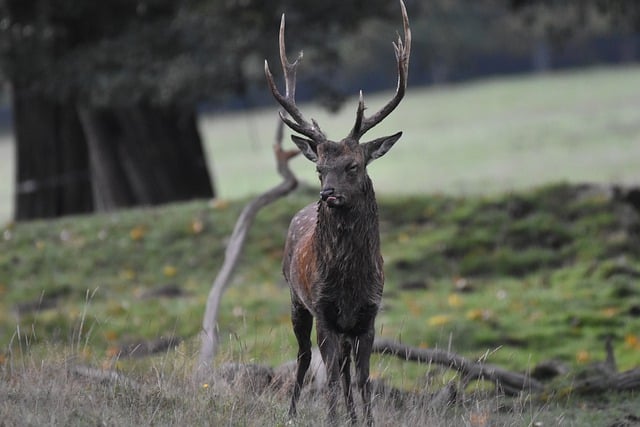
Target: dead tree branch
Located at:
point(602, 382)
point(511, 383)
point(208, 334)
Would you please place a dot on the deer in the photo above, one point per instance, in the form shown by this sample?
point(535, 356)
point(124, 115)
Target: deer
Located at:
point(332, 260)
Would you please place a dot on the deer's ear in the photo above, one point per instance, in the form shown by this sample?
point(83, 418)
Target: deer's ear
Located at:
point(379, 147)
point(306, 146)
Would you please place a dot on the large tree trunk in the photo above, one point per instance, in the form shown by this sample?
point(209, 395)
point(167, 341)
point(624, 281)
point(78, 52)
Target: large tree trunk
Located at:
point(52, 164)
point(74, 160)
point(144, 156)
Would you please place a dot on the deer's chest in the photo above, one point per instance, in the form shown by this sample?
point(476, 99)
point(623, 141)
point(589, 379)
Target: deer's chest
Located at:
point(346, 312)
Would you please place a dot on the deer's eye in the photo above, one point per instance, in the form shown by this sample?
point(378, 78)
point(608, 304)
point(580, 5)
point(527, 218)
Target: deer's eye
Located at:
point(352, 168)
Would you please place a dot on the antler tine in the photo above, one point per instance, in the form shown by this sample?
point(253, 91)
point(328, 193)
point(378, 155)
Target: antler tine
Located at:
point(288, 102)
point(402, 51)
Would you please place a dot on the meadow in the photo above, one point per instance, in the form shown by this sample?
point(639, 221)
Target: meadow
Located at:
point(494, 248)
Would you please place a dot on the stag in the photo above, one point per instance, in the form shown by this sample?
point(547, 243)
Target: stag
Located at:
point(332, 259)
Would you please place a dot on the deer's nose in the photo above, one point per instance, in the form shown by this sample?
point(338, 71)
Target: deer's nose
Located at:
point(326, 192)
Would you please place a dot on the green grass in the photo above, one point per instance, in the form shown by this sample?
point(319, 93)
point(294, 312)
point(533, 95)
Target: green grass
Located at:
point(547, 273)
point(537, 262)
point(486, 136)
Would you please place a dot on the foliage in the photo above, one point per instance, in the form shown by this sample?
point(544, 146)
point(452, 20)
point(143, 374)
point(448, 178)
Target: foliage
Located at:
point(162, 52)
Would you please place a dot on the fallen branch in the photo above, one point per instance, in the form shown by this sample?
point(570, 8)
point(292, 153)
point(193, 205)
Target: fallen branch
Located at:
point(104, 376)
point(209, 334)
point(511, 383)
point(603, 377)
point(601, 382)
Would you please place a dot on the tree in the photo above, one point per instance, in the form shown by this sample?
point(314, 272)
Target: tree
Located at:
point(105, 93)
point(549, 23)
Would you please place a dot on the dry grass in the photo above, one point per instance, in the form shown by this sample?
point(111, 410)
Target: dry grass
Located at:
point(64, 391)
point(52, 393)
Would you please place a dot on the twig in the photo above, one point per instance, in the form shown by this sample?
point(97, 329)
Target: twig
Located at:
point(234, 249)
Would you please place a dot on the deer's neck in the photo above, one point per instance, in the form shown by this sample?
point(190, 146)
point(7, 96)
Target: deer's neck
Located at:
point(347, 241)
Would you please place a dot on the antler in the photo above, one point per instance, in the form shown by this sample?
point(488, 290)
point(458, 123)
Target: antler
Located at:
point(288, 102)
point(402, 51)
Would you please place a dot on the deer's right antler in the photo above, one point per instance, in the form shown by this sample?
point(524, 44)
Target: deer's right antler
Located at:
point(288, 101)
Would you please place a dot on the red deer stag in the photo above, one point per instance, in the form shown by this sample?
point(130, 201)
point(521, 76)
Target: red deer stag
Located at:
point(332, 258)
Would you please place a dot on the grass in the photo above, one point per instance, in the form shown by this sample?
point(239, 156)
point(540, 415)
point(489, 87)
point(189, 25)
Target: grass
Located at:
point(486, 136)
point(539, 256)
point(476, 261)
point(517, 279)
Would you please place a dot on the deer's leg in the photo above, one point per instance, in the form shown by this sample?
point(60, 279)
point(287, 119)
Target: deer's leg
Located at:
point(362, 352)
point(330, 351)
point(302, 324)
point(345, 373)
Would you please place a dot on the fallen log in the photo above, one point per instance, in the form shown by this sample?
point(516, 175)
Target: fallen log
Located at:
point(601, 382)
point(511, 383)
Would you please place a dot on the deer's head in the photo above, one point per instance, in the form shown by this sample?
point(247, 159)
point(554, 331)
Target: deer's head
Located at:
point(341, 165)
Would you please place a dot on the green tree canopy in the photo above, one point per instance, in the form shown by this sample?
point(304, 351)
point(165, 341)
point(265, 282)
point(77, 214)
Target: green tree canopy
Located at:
point(120, 52)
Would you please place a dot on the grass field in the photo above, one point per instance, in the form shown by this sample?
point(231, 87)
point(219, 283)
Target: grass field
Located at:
point(477, 138)
point(476, 261)
point(514, 280)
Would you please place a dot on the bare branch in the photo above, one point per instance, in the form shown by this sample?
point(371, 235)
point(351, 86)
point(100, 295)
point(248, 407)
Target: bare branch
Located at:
point(511, 383)
point(209, 337)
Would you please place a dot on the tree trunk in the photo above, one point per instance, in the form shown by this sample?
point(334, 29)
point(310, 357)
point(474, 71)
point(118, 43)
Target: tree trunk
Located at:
point(75, 160)
point(144, 156)
point(52, 164)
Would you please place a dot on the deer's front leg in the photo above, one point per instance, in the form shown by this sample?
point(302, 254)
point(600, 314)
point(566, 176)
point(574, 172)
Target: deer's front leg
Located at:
point(362, 355)
point(330, 350)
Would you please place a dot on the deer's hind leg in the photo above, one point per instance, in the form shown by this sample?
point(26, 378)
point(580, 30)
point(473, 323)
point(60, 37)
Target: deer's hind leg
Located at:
point(302, 323)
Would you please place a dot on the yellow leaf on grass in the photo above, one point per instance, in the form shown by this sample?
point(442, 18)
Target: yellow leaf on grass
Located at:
point(632, 341)
point(479, 419)
point(479, 314)
point(113, 351)
point(127, 274)
point(219, 204)
point(197, 226)
point(137, 233)
point(454, 300)
point(583, 356)
point(439, 320)
point(169, 270)
point(110, 335)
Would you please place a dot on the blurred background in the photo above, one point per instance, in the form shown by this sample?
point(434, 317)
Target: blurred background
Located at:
point(122, 103)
